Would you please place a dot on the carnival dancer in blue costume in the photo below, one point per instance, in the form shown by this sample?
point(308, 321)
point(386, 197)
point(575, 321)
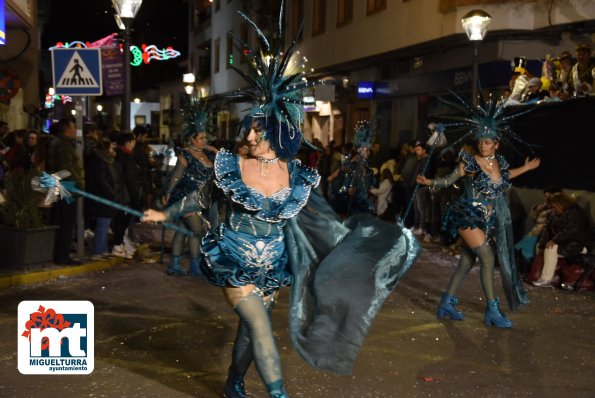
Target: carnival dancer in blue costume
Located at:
point(350, 185)
point(278, 232)
point(194, 168)
point(481, 216)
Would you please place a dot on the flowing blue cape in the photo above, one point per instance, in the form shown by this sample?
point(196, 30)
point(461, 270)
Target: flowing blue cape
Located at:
point(342, 273)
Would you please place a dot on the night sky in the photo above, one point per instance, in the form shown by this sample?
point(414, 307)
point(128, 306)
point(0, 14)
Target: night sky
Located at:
point(159, 22)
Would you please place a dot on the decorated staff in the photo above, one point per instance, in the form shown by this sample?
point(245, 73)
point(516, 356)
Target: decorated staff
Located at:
point(56, 189)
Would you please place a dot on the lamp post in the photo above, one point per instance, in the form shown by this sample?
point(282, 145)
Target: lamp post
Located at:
point(188, 79)
point(125, 12)
point(475, 24)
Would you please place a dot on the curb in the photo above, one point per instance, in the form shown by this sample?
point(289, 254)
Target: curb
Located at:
point(43, 276)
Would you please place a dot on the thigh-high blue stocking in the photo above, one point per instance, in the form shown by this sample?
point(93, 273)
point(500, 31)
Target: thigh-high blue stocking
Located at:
point(241, 357)
point(487, 259)
point(255, 334)
point(466, 262)
point(193, 223)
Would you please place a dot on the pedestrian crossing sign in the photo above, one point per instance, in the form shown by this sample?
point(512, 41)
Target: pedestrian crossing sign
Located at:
point(77, 71)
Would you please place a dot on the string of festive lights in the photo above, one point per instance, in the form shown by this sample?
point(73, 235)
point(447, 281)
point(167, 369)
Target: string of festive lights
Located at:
point(144, 54)
point(50, 99)
point(153, 53)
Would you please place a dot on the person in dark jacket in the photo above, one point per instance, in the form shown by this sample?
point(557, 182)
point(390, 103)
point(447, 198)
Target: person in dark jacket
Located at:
point(104, 179)
point(62, 156)
point(141, 155)
point(133, 182)
point(567, 232)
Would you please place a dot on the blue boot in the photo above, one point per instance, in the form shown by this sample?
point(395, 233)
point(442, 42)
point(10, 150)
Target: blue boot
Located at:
point(234, 388)
point(276, 389)
point(495, 317)
point(175, 267)
point(195, 266)
point(447, 308)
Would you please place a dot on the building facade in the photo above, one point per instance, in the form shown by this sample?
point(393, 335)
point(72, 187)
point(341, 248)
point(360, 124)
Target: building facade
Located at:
point(388, 58)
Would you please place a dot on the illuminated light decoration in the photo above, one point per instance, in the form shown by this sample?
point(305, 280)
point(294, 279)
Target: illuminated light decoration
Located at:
point(72, 44)
point(146, 54)
point(50, 99)
point(152, 52)
point(137, 56)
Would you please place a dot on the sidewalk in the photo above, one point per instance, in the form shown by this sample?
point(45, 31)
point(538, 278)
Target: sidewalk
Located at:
point(36, 273)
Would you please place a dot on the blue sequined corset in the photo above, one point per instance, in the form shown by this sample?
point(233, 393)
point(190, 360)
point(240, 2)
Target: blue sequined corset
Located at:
point(483, 189)
point(194, 177)
point(474, 208)
point(249, 248)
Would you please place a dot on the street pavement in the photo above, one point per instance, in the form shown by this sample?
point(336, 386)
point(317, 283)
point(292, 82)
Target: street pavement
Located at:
point(162, 336)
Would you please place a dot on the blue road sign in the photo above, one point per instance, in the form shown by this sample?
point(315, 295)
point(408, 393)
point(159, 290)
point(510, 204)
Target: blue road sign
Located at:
point(77, 71)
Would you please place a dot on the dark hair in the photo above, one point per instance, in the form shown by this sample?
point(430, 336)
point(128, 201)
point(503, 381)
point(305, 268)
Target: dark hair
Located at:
point(123, 138)
point(63, 124)
point(140, 130)
point(387, 175)
point(284, 138)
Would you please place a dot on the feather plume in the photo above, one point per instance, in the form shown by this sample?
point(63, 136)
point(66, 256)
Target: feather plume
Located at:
point(277, 79)
point(488, 120)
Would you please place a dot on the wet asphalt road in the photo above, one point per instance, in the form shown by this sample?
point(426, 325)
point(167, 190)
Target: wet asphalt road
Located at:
point(160, 336)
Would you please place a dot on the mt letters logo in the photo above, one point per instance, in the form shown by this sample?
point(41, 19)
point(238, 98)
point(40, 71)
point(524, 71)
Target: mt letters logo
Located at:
point(56, 337)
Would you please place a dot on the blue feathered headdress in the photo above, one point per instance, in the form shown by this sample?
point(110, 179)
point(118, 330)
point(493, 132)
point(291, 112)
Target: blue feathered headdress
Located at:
point(196, 116)
point(488, 120)
point(276, 83)
point(364, 133)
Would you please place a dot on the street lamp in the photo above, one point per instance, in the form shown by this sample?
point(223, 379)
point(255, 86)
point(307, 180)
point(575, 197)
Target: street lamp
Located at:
point(188, 79)
point(125, 12)
point(475, 24)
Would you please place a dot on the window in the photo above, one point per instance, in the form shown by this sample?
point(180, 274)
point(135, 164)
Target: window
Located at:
point(216, 49)
point(297, 16)
point(374, 6)
point(229, 59)
point(204, 61)
point(318, 16)
point(344, 12)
